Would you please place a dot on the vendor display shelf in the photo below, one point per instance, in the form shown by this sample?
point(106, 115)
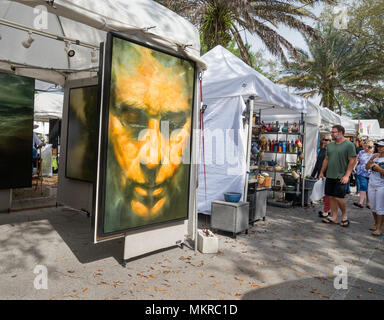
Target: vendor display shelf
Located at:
point(288, 192)
point(279, 152)
point(283, 133)
point(284, 162)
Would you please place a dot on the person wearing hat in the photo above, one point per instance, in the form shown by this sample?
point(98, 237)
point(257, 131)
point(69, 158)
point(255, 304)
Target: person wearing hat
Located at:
point(376, 188)
point(362, 174)
point(316, 171)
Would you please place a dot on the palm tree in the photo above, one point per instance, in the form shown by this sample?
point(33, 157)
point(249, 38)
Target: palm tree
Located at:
point(221, 20)
point(335, 66)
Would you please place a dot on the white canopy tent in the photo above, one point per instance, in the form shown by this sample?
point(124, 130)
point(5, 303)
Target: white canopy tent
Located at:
point(227, 84)
point(368, 128)
point(48, 105)
point(84, 24)
point(330, 118)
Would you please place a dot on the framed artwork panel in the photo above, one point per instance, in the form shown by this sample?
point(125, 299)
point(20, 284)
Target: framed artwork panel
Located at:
point(82, 133)
point(17, 96)
point(148, 98)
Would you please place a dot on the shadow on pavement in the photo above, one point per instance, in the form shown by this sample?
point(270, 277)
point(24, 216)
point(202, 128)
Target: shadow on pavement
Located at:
point(35, 236)
point(318, 288)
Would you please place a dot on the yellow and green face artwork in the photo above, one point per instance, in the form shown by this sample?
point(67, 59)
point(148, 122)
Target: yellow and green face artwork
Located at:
point(83, 130)
point(149, 131)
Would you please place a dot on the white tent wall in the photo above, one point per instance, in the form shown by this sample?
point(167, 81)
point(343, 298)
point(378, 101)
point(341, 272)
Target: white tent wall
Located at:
point(225, 144)
point(48, 105)
point(368, 127)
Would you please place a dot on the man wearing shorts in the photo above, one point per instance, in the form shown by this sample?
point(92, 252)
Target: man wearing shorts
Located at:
point(339, 163)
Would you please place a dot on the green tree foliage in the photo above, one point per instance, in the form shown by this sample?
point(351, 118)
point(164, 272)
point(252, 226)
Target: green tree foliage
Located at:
point(337, 67)
point(220, 21)
point(366, 24)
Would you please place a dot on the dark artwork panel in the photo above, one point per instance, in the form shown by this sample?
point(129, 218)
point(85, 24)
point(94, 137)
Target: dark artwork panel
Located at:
point(16, 127)
point(147, 152)
point(54, 132)
point(82, 137)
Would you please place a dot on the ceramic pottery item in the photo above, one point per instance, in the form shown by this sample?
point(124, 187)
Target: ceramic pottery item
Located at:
point(295, 128)
point(285, 128)
point(277, 127)
point(254, 149)
point(263, 127)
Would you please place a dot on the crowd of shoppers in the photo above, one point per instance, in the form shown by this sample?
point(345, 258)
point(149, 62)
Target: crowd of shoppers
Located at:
point(336, 162)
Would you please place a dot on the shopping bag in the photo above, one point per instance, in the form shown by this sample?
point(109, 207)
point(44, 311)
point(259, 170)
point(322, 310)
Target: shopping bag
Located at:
point(318, 190)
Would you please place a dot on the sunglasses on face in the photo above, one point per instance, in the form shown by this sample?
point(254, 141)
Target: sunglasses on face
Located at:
point(326, 139)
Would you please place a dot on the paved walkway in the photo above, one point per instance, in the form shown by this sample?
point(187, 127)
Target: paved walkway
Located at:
point(292, 255)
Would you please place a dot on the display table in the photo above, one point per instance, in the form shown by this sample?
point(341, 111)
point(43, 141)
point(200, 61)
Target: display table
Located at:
point(230, 216)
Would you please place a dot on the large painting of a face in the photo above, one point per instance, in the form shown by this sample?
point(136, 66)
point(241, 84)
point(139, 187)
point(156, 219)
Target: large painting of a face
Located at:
point(82, 137)
point(16, 127)
point(149, 130)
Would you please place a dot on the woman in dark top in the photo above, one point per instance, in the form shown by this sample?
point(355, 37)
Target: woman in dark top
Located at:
point(319, 163)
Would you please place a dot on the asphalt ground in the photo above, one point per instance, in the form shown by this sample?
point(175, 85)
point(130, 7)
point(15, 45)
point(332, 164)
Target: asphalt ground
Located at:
point(291, 255)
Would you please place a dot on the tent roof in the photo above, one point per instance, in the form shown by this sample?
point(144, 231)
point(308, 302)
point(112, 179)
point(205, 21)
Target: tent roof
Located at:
point(86, 21)
point(330, 118)
point(48, 105)
point(368, 127)
point(228, 76)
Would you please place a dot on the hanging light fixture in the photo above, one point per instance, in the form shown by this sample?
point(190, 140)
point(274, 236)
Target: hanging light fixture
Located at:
point(27, 43)
point(94, 58)
point(70, 52)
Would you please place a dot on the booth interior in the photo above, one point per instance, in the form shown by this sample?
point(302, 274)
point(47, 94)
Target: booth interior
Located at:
point(76, 53)
point(47, 114)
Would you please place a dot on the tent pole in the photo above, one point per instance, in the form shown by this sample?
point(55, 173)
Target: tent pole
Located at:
point(250, 103)
point(305, 152)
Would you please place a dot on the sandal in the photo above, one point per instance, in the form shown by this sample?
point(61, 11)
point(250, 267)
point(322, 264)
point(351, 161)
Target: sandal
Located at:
point(321, 215)
point(372, 228)
point(344, 223)
point(358, 205)
point(368, 206)
point(376, 234)
point(328, 220)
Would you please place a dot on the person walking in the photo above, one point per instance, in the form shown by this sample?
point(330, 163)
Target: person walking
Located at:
point(376, 188)
point(362, 174)
point(358, 144)
point(339, 163)
point(316, 172)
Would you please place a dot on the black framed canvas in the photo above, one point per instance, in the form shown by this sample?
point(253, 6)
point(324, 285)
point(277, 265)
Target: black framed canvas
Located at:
point(17, 96)
point(144, 165)
point(82, 133)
